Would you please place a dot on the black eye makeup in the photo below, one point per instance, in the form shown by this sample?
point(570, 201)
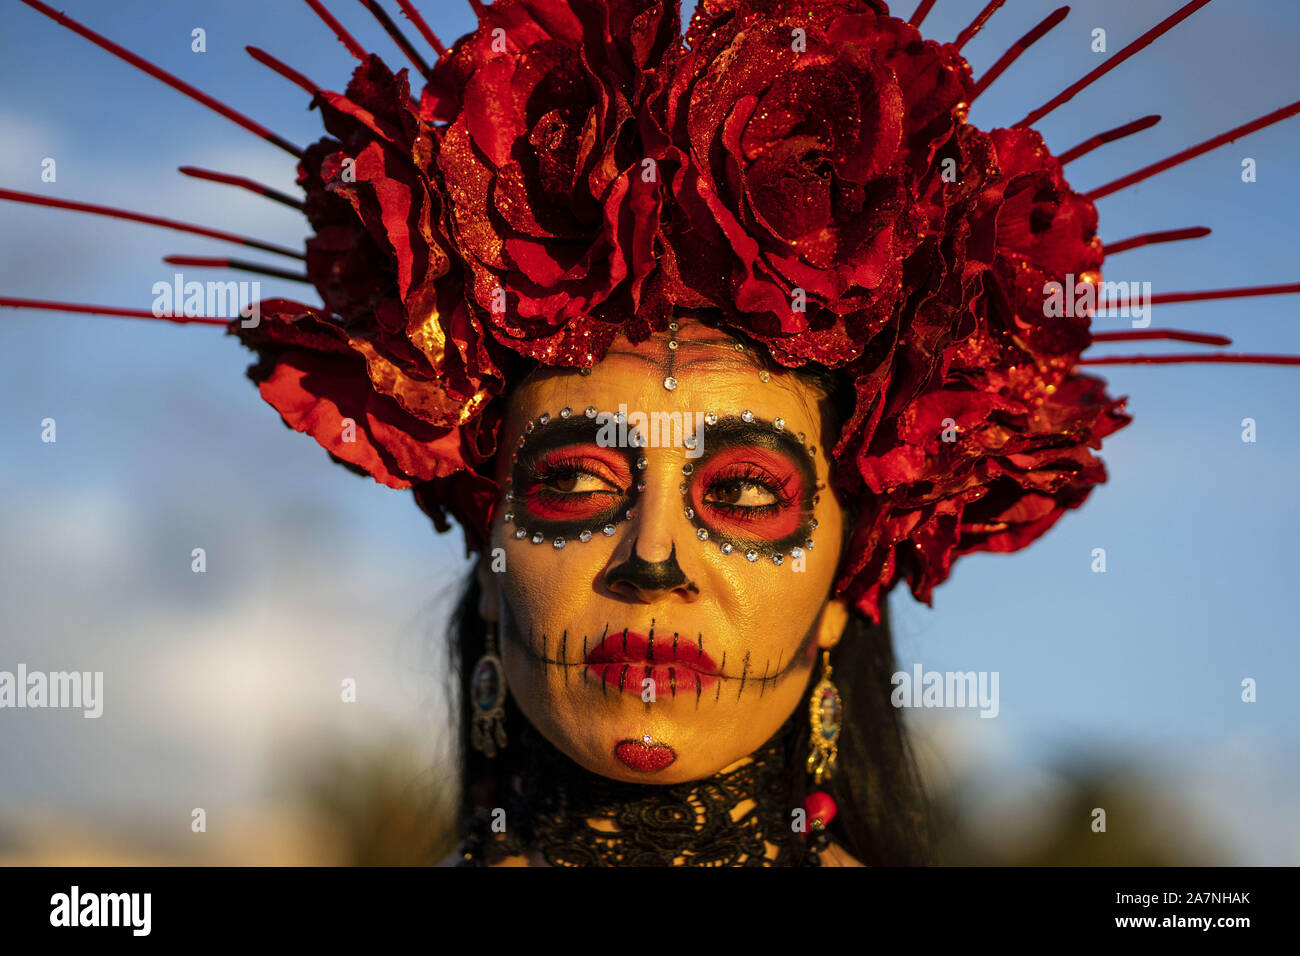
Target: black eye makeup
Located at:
point(564, 485)
point(754, 489)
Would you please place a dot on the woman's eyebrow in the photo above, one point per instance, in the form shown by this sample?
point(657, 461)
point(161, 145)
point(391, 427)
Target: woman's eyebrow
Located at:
point(733, 430)
point(559, 432)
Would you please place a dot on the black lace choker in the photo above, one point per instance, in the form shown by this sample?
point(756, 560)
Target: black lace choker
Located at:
point(549, 802)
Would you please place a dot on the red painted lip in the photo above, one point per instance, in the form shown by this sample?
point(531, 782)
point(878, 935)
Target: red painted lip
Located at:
point(625, 658)
point(644, 757)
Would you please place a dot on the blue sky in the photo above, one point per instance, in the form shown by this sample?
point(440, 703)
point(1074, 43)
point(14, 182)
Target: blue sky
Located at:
point(315, 573)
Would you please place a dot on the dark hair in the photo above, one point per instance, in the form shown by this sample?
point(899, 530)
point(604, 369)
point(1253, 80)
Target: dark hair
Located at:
point(881, 818)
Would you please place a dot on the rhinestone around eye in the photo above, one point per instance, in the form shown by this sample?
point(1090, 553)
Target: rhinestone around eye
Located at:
point(681, 486)
point(796, 553)
point(710, 418)
point(672, 344)
point(777, 558)
point(585, 536)
point(726, 547)
point(557, 543)
point(620, 417)
point(814, 524)
point(689, 441)
point(670, 383)
point(584, 371)
point(628, 514)
point(510, 496)
point(690, 513)
point(640, 464)
point(608, 529)
point(751, 555)
point(528, 429)
point(764, 375)
point(566, 411)
point(808, 544)
point(521, 533)
point(702, 534)
point(640, 486)
point(537, 538)
point(543, 418)
point(509, 517)
point(747, 416)
point(779, 424)
point(688, 469)
point(672, 326)
point(590, 411)
point(812, 450)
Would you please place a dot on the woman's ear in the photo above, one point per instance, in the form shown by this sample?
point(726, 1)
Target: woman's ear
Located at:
point(830, 625)
point(489, 597)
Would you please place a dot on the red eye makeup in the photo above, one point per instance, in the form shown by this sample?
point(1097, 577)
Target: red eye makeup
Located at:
point(754, 490)
point(564, 485)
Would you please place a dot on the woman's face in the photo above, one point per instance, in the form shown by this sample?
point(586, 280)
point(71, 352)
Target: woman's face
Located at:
point(669, 644)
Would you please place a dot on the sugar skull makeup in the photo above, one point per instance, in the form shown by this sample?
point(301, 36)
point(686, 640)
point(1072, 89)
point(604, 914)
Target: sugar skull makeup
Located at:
point(750, 486)
point(661, 606)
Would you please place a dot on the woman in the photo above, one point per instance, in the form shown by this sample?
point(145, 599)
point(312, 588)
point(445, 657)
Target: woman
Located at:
point(657, 655)
point(706, 342)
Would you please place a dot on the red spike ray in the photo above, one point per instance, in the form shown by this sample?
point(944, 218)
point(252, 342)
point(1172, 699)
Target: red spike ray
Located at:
point(922, 11)
point(1167, 298)
point(1192, 152)
point(11, 303)
point(35, 199)
point(1019, 47)
point(1162, 335)
point(478, 8)
point(355, 48)
point(977, 24)
point(430, 37)
point(1136, 46)
point(1216, 358)
point(399, 38)
point(1119, 132)
point(160, 74)
point(243, 183)
point(243, 265)
point(292, 75)
point(1146, 239)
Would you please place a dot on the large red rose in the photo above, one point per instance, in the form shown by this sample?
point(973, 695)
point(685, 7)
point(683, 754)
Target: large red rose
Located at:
point(553, 207)
point(805, 138)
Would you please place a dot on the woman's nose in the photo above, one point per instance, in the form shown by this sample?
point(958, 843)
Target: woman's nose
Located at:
point(646, 580)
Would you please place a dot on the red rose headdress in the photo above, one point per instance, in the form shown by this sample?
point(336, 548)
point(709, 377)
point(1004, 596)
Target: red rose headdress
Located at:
point(802, 172)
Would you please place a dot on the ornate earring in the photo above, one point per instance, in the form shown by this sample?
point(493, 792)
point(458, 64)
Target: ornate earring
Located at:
point(825, 713)
point(488, 693)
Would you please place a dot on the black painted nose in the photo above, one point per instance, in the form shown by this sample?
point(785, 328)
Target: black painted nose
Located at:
point(646, 580)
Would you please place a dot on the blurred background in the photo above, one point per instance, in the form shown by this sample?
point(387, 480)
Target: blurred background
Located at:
point(1119, 690)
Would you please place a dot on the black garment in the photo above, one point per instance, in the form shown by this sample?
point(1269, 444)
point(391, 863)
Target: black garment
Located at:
point(548, 800)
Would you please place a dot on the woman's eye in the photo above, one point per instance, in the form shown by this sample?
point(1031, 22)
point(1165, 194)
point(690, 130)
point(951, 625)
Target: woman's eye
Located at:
point(740, 493)
point(576, 481)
